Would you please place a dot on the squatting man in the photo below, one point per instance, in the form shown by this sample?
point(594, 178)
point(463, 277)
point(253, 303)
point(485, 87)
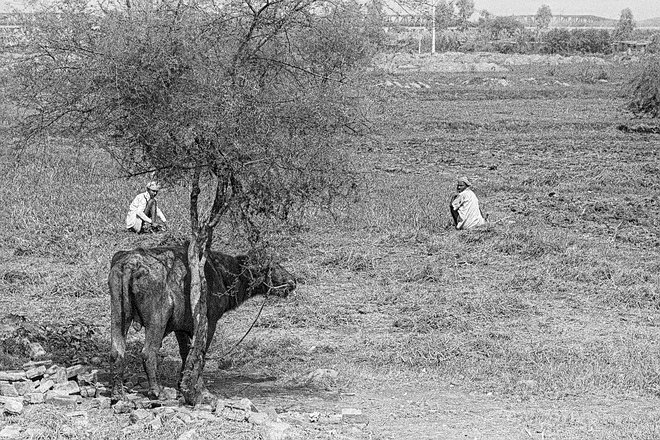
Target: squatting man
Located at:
point(464, 206)
point(144, 214)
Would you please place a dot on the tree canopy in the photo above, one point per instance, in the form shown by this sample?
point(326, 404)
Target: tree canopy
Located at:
point(250, 104)
point(465, 11)
point(625, 25)
point(543, 16)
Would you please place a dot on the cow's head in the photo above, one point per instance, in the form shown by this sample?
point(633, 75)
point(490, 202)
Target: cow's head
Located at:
point(279, 281)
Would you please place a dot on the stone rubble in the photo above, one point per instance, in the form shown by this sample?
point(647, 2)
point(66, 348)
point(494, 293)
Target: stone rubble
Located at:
point(75, 389)
point(43, 381)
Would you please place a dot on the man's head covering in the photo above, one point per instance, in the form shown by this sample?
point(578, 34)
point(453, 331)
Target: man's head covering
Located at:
point(154, 186)
point(465, 180)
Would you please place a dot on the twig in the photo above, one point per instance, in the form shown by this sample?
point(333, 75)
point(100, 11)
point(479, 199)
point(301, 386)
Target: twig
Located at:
point(501, 219)
point(616, 231)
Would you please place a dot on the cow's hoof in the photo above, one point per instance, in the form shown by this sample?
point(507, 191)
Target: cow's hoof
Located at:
point(154, 393)
point(117, 394)
point(207, 398)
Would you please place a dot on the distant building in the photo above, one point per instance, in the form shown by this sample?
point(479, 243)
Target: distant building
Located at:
point(569, 21)
point(630, 46)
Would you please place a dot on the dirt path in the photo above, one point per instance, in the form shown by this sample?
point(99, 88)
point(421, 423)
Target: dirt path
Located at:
point(421, 408)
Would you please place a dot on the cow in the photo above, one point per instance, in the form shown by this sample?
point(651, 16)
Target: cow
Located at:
point(151, 288)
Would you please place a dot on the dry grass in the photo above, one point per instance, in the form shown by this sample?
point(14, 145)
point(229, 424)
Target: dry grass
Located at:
point(555, 300)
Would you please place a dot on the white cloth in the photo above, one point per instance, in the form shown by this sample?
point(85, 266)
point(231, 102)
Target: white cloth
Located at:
point(467, 205)
point(136, 214)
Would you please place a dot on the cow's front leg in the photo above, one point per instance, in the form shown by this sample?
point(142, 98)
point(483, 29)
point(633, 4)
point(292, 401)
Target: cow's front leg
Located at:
point(152, 340)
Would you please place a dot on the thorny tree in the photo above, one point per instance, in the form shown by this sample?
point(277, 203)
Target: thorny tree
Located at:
point(247, 102)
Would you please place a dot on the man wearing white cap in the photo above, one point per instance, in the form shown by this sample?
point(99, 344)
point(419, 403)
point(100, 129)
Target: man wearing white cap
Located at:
point(464, 206)
point(143, 214)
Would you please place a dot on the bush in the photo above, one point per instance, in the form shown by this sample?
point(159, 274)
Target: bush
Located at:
point(557, 41)
point(654, 47)
point(590, 41)
point(644, 89)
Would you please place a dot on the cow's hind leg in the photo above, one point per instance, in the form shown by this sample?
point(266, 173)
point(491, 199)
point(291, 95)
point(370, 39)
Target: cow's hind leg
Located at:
point(118, 358)
point(183, 339)
point(153, 339)
point(120, 322)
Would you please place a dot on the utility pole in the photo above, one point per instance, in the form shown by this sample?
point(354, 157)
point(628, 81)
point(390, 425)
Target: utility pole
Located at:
point(433, 28)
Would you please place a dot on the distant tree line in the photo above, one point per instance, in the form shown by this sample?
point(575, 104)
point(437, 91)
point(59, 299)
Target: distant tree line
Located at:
point(508, 35)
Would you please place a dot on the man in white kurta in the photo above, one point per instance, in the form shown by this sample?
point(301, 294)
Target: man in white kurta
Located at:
point(464, 206)
point(143, 214)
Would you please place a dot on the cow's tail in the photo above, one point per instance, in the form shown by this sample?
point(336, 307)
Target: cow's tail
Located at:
point(120, 308)
point(120, 318)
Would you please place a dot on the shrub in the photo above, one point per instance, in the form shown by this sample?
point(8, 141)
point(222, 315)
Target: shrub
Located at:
point(590, 41)
point(644, 89)
point(557, 41)
point(654, 47)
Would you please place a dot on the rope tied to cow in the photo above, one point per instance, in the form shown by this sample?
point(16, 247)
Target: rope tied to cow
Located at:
point(263, 303)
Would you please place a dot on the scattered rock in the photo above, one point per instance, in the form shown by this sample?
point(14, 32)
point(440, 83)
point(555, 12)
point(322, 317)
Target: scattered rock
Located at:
point(12, 405)
point(35, 432)
point(168, 394)
point(59, 376)
point(191, 434)
point(101, 402)
point(322, 378)
point(51, 370)
point(35, 398)
point(67, 388)
point(36, 350)
point(278, 431)
point(156, 423)
point(88, 391)
point(60, 400)
point(203, 415)
point(45, 385)
point(185, 418)
point(89, 378)
point(258, 418)
point(144, 403)
point(79, 418)
point(352, 415)
point(75, 371)
point(24, 387)
point(123, 407)
point(204, 407)
point(239, 411)
point(9, 390)
point(12, 376)
point(67, 431)
point(528, 383)
point(331, 419)
point(140, 415)
point(33, 364)
point(10, 431)
point(35, 372)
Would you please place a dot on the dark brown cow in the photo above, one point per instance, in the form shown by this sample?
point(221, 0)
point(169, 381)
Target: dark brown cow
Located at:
point(151, 288)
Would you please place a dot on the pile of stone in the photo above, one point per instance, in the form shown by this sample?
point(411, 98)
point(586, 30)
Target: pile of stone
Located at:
point(270, 424)
point(76, 389)
point(45, 382)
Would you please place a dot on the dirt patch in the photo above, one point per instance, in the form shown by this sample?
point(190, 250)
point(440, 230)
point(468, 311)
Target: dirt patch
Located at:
point(472, 62)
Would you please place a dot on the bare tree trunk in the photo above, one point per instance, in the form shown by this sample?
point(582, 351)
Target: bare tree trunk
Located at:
point(191, 383)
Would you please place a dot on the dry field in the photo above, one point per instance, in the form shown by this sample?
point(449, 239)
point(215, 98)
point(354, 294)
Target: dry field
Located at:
point(543, 325)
